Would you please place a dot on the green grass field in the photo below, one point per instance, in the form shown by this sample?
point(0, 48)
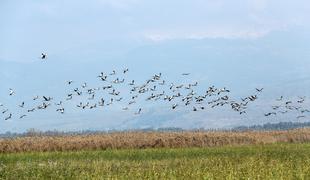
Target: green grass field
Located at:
point(275, 161)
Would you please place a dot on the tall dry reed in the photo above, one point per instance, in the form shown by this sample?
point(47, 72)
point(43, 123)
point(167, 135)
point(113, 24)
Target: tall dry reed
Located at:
point(127, 140)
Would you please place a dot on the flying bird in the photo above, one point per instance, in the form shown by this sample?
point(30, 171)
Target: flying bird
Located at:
point(280, 98)
point(47, 98)
point(22, 104)
point(9, 117)
point(43, 56)
point(11, 92)
point(271, 113)
point(69, 82)
point(61, 110)
point(174, 106)
point(35, 98)
point(22, 116)
point(125, 70)
point(139, 111)
point(259, 90)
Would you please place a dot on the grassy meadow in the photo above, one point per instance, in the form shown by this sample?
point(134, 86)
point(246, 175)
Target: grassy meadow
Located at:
point(271, 161)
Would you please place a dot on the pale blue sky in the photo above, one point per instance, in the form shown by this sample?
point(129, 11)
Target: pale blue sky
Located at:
point(40, 25)
point(254, 43)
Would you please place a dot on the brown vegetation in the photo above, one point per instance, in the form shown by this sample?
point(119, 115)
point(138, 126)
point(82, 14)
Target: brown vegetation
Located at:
point(127, 140)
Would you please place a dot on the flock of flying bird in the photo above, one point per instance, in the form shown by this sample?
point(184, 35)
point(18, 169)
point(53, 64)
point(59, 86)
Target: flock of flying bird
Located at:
point(284, 106)
point(154, 88)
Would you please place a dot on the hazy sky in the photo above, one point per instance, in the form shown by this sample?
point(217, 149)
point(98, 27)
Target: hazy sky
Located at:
point(30, 26)
point(255, 42)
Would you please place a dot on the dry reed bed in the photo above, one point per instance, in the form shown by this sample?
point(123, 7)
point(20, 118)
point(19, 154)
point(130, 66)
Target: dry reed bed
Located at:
point(127, 140)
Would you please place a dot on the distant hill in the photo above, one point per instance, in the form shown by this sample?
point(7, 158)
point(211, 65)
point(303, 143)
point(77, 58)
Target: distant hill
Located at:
point(265, 127)
point(274, 126)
